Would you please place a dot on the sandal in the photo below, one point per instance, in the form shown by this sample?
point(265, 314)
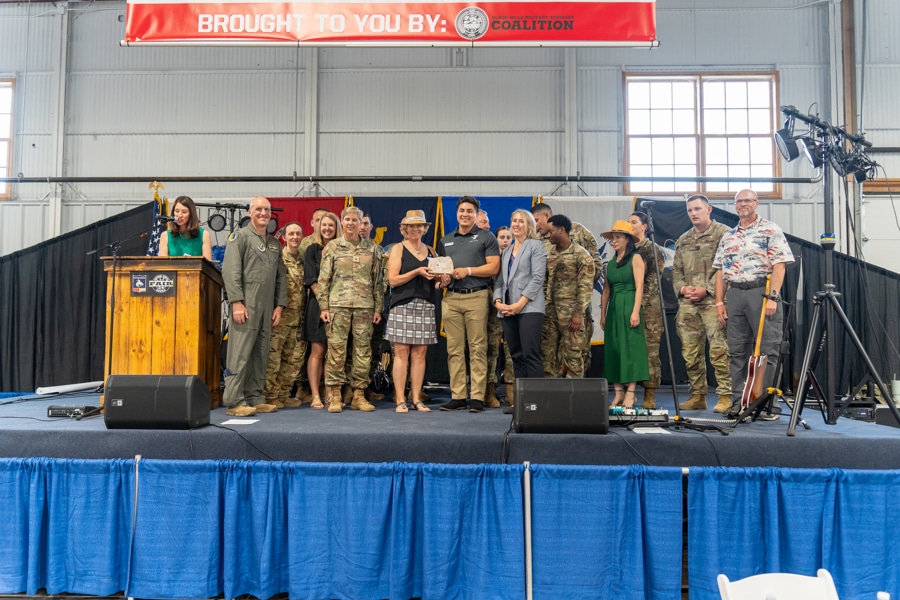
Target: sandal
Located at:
point(316, 403)
point(625, 403)
point(402, 407)
point(419, 406)
point(620, 397)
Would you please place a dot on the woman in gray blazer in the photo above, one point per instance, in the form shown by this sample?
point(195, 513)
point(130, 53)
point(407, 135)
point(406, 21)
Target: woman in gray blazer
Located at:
point(519, 295)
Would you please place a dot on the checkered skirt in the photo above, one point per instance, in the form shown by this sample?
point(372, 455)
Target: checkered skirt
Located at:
point(412, 323)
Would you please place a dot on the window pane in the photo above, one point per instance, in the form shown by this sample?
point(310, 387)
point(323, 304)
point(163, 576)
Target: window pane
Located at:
point(735, 94)
point(735, 121)
point(663, 151)
point(683, 122)
point(714, 94)
point(714, 122)
point(685, 171)
point(759, 94)
point(739, 171)
point(661, 94)
point(638, 122)
point(760, 120)
point(639, 94)
point(716, 151)
point(717, 171)
point(661, 122)
point(739, 151)
point(686, 151)
point(761, 152)
point(5, 99)
point(641, 171)
point(639, 151)
point(4, 125)
point(683, 94)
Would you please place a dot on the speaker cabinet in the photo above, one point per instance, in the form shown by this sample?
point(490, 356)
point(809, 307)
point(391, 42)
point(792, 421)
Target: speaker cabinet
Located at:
point(561, 406)
point(155, 402)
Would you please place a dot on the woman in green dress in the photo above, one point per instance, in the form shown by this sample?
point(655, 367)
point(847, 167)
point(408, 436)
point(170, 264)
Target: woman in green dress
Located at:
point(625, 350)
point(185, 237)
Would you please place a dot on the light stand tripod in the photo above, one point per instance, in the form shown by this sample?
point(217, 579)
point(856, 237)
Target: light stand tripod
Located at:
point(829, 152)
point(678, 421)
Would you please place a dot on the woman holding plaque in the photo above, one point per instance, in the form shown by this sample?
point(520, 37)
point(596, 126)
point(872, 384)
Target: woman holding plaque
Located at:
point(411, 324)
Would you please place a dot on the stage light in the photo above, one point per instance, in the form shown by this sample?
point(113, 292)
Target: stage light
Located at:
point(216, 222)
point(786, 142)
point(814, 152)
point(245, 220)
point(272, 227)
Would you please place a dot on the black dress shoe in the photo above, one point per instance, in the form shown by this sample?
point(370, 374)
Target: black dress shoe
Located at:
point(454, 405)
point(476, 406)
point(509, 410)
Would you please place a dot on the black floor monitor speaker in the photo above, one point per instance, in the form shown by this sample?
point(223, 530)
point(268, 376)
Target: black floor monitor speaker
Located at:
point(561, 406)
point(155, 402)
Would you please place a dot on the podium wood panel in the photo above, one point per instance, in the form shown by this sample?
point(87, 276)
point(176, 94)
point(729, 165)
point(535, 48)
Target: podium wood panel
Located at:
point(166, 335)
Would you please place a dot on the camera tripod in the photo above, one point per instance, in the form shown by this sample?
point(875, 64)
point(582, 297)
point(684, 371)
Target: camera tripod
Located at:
point(829, 298)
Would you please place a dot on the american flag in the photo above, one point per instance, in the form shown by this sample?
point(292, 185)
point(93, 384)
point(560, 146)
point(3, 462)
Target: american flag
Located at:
point(158, 229)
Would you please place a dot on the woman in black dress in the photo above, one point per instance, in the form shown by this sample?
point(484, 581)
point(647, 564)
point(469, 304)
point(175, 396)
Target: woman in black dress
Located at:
point(329, 228)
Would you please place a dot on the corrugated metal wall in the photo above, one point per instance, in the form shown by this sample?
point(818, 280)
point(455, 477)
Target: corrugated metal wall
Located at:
point(157, 112)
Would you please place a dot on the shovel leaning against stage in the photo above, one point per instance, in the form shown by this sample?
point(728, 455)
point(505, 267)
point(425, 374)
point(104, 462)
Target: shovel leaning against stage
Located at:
point(756, 369)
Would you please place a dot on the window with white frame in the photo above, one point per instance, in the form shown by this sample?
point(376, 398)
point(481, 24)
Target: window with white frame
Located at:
point(7, 91)
point(700, 125)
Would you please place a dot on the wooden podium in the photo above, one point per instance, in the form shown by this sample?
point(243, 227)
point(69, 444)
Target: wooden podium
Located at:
point(168, 318)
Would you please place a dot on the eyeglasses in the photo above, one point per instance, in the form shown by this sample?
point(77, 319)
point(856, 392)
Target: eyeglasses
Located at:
point(745, 201)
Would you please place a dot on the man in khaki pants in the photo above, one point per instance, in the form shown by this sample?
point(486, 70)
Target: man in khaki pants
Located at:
point(476, 260)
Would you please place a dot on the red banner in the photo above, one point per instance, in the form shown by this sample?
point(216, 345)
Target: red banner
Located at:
point(397, 23)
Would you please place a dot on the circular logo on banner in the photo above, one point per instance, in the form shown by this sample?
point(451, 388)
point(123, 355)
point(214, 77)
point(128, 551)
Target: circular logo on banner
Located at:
point(161, 284)
point(471, 23)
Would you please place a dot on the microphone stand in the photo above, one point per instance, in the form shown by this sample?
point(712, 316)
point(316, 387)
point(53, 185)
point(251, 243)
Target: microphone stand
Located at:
point(116, 246)
point(678, 421)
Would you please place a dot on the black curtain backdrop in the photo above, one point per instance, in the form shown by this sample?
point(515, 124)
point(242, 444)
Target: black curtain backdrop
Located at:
point(53, 304)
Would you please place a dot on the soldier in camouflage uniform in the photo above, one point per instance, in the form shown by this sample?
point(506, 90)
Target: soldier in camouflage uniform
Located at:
point(570, 279)
point(287, 352)
point(582, 236)
point(494, 332)
point(652, 314)
point(351, 296)
point(694, 281)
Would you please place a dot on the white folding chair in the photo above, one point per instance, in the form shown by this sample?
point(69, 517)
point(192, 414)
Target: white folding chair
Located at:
point(779, 586)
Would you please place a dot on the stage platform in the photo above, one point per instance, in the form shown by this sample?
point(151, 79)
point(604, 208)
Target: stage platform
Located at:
point(460, 437)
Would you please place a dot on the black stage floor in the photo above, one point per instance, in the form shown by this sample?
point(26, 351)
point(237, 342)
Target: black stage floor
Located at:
point(303, 434)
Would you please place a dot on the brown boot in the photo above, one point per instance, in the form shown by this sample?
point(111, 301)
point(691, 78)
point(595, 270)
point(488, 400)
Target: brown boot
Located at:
point(510, 394)
point(291, 403)
point(373, 396)
point(490, 396)
point(695, 402)
point(649, 398)
point(359, 401)
point(303, 395)
point(723, 404)
point(423, 396)
point(347, 393)
point(334, 399)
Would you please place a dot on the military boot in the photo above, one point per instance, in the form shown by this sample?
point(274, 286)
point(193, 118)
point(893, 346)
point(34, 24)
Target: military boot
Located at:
point(649, 398)
point(723, 404)
point(695, 402)
point(359, 401)
point(423, 396)
point(347, 394)
point(304, 395)
point(334, 399)
point(373, 396)
point(490, 396)
point(510, 394)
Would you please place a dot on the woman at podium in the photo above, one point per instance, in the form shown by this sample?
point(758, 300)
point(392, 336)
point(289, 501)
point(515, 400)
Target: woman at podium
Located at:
point(185, 237)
